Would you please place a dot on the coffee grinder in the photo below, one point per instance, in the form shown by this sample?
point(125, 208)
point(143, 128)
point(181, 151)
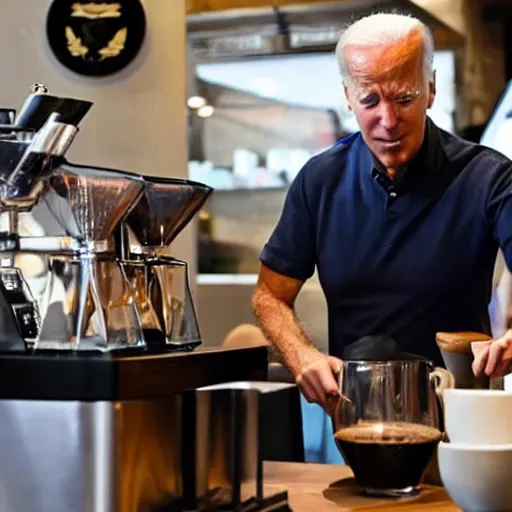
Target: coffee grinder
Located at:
point(159, 281)
point(96, 311)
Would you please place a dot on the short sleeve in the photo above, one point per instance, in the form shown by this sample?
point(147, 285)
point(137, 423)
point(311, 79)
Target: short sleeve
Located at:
point(290, 250)
point(499, 211)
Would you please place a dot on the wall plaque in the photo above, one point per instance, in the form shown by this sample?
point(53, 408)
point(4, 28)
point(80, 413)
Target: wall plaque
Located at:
point(96, 38)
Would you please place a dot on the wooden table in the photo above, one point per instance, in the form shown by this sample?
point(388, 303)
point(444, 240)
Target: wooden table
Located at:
point(318, 487)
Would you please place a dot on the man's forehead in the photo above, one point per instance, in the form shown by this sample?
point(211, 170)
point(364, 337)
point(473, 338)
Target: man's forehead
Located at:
point(380, 61)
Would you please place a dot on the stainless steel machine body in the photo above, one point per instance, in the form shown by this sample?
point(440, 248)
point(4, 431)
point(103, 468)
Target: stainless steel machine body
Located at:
point(189, 447)
point(70, 456)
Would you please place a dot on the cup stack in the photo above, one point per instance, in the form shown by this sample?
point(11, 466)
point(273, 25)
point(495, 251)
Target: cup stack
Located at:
point(475, 464)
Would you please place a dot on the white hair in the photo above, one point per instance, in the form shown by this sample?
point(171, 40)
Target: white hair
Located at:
point(384, 29)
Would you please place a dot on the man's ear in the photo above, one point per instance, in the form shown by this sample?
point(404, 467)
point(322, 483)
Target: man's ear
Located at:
point(432, 89)
point(345, 88)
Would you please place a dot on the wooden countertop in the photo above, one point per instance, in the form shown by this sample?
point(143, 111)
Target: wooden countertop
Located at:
point(318, 487)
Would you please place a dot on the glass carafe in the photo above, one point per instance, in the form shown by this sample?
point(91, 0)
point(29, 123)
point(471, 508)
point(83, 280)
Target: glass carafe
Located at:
point(162, 293)
point(88, 305)
point(388, 422)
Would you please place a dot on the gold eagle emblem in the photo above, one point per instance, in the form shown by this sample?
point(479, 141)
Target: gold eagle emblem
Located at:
point(114, 47)
point(94, 11)
point(75, 45)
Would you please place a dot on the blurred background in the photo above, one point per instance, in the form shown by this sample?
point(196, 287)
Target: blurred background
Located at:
point(264, 95)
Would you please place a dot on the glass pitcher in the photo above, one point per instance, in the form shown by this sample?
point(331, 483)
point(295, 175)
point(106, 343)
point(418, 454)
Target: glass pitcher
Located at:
point(388, 422)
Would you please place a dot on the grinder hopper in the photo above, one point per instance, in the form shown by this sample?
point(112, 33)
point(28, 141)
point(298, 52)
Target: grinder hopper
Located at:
point(160, 282)
point(166, 206)
point(89, 202)
point(98, 312)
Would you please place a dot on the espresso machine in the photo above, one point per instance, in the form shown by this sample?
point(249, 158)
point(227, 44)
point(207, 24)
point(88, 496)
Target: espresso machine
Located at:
point(110, 299)
point(101, 408)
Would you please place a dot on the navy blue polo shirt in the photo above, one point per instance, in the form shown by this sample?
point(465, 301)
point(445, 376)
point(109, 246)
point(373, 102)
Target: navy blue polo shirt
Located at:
point(408, 257)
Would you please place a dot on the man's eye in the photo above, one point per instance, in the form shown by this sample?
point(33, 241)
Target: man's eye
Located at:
point(369, 101)
point(404, 99)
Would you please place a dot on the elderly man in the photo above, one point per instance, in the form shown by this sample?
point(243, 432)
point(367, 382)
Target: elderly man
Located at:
point(401, 220)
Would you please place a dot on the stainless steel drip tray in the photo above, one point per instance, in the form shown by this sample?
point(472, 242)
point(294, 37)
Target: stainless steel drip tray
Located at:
point(60, 245)
point(94, 346)
point(260, 386)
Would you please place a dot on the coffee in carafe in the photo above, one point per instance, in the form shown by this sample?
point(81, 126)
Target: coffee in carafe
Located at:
point(404, 447)
point(387, 424)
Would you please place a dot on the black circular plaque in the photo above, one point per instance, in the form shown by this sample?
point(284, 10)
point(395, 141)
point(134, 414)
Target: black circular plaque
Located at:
point(96, 38)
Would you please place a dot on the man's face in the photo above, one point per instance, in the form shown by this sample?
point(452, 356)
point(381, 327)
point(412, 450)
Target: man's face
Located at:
point(389, 94)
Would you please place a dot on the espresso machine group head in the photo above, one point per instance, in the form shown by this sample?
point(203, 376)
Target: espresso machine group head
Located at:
point(30, 149)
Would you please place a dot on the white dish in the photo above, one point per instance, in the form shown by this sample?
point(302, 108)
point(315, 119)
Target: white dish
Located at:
point(478, 416)
point(478, 478)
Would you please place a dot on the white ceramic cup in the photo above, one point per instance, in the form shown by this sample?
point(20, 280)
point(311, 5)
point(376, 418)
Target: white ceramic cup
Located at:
point(478, 478)
point(478, 416)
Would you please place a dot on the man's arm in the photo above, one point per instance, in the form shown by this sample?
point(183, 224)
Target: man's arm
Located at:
point(314, 371)
point(495, 358)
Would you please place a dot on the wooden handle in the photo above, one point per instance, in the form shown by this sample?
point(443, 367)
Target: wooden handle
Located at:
point(459, 342)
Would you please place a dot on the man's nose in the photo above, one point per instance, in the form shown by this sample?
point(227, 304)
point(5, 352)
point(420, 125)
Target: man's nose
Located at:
point(388, 117)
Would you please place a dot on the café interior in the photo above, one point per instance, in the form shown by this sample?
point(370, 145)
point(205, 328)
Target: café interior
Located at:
point(214, 112)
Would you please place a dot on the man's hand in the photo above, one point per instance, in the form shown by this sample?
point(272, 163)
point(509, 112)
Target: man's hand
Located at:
point(493, 358)
point(318, 381)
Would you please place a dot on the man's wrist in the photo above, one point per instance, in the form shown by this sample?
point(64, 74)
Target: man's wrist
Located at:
point(305, 357)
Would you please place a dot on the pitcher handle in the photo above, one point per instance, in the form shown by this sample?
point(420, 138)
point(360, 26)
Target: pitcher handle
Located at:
point(443, 379)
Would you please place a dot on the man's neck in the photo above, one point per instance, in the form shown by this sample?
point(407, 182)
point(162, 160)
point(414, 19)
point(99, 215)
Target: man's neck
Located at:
point(391, 173)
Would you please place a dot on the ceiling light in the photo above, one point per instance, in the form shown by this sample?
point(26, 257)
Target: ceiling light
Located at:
point(205, 111)
point(196, 102)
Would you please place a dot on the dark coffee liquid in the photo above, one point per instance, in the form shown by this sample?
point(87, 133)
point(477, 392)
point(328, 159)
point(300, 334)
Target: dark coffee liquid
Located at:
point(387, 455)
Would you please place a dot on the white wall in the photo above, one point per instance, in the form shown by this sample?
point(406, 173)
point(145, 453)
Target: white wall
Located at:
point(138, 121)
